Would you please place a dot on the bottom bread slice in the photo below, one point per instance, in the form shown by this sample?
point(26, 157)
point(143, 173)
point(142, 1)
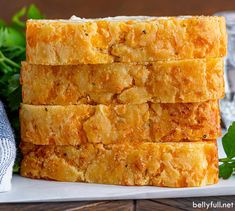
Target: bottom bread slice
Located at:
point(187, 164)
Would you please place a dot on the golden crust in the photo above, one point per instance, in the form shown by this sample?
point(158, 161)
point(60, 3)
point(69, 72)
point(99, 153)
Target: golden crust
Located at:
point(137, 163)
point(75, 125)
point(103, 41)
point(165, 82)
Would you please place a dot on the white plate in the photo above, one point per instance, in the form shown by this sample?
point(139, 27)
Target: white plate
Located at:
point(28, 190)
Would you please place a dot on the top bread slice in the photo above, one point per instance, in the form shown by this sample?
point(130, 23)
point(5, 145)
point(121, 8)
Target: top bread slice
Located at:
point(124, 39)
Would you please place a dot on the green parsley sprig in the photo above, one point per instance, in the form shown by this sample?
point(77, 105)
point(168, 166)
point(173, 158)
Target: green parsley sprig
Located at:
point(227, 167)
point(12, 52)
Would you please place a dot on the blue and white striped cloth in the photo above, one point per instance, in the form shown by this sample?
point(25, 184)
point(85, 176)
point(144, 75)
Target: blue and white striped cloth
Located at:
point(7, 151)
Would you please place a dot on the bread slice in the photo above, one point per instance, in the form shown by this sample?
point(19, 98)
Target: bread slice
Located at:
point(137, 163)
point(164, 81)
point(124, 39)
point(75, 125)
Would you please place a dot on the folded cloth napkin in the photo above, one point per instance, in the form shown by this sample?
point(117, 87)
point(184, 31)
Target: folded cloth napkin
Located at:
point(7, 151)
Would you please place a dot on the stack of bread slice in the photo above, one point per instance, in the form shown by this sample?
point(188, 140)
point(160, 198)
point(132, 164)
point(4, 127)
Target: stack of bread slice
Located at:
point(124, 100)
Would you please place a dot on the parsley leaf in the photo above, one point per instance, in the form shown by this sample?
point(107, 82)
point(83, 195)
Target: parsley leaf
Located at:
point(16, 19)
point(228, 164)
point(228, 142)
point(11, 37)
point(34, 13)
point(225, 170)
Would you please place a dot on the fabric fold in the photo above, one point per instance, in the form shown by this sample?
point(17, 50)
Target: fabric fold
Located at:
point(7, 151)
